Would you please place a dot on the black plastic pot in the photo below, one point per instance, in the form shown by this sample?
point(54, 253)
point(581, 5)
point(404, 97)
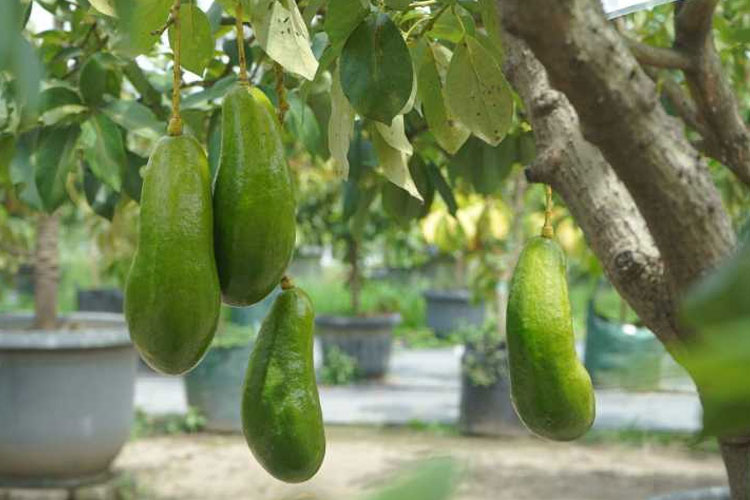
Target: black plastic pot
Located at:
point(66, 399)
point(369, 340)
point(100, 300)
point(487, 410)
point(449, 310)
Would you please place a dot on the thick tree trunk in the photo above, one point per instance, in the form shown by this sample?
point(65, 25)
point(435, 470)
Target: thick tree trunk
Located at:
point(46, 272)
point(600, 203)
point(640, 191)
point(619, 110)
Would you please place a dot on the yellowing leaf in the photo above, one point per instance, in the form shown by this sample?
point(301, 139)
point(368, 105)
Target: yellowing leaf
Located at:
point(104, 6)
point(281, 32)
point(394, 164)
point(340, 126)
point(395, 135)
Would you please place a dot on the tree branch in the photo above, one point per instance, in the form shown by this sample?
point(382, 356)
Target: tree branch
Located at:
point(658, 57)
point(728, 137)
point(620, 113)
point(598, 200)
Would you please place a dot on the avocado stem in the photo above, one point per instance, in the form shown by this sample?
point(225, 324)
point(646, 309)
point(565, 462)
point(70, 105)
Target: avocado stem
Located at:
point(287, 283)
point(175, 122)
point(241, 44)
point(547, 230)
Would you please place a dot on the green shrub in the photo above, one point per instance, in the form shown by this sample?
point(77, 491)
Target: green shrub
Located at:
point(338, 368)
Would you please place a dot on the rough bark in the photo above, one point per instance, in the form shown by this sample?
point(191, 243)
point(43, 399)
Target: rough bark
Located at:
point(598, 200)
point(727, 134)
point(46, 273)
point(619, 111)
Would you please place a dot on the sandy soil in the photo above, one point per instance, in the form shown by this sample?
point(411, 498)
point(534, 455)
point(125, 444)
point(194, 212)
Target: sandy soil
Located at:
point(221, 467)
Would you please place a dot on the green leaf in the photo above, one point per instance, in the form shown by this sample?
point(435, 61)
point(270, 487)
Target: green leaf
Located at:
point(196, 42)
point(282, 33)
point(54, 97)
point(22, 169)
point(302, 124)
point(449, 133)
point(65, 114)
point(312, 8)
point(340, 126)
point(491, 22)
point(137, 19)
point(393, 164)
point(433, 479)
point(376, 70)
point(214, 16)
point(106, 7)
point(99, 76)
point(452, 27)
point(342, 16)
point(400, 205)
point(135, 118)
point(215, 91)
point(53, 160)
point(101, 198)
point(230, 48)
point(397, 4)
point(132, 182)
point(104, 150)
point(478, 94)
point(7, 151)
point(484, 166)
point(361, 154)
point(442, 187)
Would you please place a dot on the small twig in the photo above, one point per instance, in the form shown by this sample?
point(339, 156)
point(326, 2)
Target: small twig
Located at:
point(159, 32)
point(659, 57)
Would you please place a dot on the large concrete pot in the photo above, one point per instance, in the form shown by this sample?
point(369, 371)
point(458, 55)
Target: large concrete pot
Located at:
point(369, 340)
point(449, 310)
point(215, 387)
point(66, 399)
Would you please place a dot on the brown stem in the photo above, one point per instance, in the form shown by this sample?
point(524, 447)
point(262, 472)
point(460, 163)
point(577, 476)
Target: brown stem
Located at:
point(355, 283)
point(46, 272)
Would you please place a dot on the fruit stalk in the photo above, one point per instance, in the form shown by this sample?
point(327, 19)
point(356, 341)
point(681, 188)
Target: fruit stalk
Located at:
point(175, 122)
point(241, 45)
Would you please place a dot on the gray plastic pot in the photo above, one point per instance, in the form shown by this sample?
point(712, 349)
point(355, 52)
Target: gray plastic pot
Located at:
point(449, 310)
point(215, 387)
point(487, 410)
point(66, 399)
point(369, 340)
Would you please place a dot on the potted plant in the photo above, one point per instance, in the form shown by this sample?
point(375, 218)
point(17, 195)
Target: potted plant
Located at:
point(486, 407)
point(66, 381)
point(214, 387)
point(364, 334)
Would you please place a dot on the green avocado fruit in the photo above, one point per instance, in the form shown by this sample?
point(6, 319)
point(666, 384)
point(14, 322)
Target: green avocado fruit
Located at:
point(551, 390)
point(281, 416)
point(172, 296)
point(254, 207)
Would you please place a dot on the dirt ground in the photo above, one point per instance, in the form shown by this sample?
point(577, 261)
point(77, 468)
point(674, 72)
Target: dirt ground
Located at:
point(209, 466)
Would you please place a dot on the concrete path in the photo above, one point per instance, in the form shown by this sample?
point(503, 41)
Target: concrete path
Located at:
point(424, 385)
